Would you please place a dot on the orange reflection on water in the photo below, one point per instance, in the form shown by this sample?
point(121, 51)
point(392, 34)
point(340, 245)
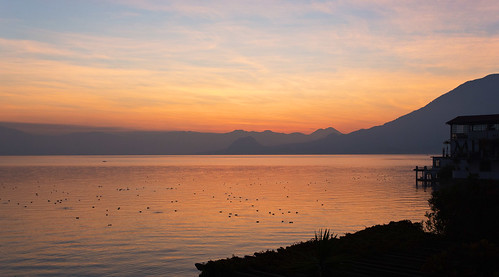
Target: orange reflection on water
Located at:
point(164, 213)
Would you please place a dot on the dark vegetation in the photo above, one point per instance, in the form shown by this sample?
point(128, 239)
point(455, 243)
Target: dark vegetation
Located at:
point(465, 210)
point(460, 238)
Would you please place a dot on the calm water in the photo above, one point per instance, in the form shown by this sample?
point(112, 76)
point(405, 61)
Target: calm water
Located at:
point(158, 215)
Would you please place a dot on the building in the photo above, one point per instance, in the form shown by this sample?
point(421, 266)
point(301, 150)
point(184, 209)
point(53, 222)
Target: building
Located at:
point(474, 146)
point(471, 151)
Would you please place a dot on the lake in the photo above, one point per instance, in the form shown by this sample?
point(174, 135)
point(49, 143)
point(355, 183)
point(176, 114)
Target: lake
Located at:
point(158, 215)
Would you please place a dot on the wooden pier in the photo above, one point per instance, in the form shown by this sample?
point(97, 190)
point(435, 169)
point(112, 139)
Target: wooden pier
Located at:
point(426, 176)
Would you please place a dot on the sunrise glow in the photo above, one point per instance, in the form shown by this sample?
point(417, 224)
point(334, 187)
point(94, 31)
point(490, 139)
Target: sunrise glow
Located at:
point(287, 66)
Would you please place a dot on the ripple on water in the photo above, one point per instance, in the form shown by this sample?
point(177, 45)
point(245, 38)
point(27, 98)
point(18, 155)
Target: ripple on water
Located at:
point(184, 205)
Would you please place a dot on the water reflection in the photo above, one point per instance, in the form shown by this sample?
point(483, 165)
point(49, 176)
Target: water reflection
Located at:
point(159, 215)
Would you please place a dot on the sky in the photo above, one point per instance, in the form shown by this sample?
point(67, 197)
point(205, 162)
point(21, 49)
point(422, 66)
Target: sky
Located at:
point(217, 66)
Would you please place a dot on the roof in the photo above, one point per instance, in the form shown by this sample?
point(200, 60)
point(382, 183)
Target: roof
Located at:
point(475, 119)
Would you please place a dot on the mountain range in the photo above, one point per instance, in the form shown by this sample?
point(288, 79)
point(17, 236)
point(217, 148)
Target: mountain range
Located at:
point(421, 131)
point(33, 139)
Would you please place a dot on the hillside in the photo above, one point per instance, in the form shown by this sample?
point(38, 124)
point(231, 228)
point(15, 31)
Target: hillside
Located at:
point(421, 131)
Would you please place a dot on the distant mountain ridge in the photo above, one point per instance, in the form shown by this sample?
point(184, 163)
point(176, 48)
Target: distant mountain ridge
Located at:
point(421, 131)
point(78, 140)
point(248, 145)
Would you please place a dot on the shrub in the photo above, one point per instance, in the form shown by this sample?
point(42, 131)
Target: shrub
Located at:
point(465, 210)
point(466, 259)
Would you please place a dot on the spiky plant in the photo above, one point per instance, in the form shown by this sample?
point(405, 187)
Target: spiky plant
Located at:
point(324, 241)
point(324, 235)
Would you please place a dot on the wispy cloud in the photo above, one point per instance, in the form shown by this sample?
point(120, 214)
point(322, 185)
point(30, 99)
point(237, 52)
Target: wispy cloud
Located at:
point(295, 61)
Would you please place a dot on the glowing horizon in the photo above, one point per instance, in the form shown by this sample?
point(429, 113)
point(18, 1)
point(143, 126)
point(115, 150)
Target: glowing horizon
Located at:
point(285, 66)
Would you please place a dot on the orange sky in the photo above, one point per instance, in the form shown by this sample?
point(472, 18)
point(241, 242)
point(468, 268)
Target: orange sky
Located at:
point(288, 66)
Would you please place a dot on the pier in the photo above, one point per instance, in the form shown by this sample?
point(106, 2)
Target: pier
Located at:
point(426, 176)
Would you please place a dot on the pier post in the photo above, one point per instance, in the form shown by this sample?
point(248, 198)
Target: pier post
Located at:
point(425, 174)
point(417, 170)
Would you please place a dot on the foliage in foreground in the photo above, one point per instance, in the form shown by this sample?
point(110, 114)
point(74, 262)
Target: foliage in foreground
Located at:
point(465, 210)
point(465, 259)
point(324, 254)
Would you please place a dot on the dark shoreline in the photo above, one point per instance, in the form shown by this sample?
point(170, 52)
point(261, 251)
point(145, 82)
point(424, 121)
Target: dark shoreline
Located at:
point(337, 256)
point(460, 238)
point(396, 249)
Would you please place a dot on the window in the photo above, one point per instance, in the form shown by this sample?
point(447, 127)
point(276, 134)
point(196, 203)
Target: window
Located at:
point(479, 128)
point(460, 129)
point(437, 163)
